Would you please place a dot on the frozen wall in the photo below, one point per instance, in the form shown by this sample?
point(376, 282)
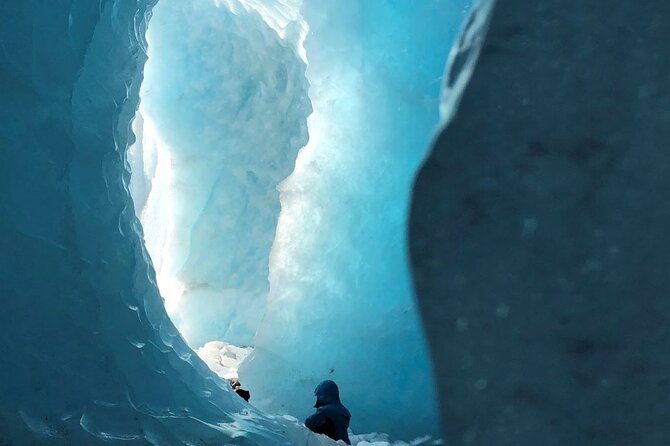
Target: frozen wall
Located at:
point(224, 112)
point(224, 102)
point(89, 355)
point(539, 231)
point(340, 303)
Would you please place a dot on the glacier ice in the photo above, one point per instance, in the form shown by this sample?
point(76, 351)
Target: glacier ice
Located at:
point(539, 230)
point(91, 354)
point(225, 110)
point(222, 358)
point(340, 304)
point(223, 115)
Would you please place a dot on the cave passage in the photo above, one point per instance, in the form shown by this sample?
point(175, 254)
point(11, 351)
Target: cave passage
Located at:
point(276, 146)
point(546, 314)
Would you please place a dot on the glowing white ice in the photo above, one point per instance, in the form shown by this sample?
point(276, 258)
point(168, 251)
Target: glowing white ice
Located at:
point(325, 285)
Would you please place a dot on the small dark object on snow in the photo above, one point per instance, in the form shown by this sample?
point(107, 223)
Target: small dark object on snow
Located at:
point(243, 393)
point(237, 387)
point(331, 417)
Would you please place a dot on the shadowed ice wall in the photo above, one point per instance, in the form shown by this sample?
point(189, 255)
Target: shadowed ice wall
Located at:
point(539, 232)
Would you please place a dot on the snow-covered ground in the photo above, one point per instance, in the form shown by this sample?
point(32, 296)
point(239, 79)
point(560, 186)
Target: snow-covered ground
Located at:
point(378, 439)
point(299, 435)
point(224, 359)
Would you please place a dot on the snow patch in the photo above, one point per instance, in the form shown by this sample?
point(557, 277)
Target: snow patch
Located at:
point(222, 358)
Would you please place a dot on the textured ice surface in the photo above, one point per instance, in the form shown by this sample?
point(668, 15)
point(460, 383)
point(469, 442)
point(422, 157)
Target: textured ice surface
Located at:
point(224, 106)
point(340, 303)
point(224, 112)
point(89, 355)
point(540, 231)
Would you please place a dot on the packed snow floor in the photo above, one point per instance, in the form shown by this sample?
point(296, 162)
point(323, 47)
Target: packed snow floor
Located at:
point(224, 359)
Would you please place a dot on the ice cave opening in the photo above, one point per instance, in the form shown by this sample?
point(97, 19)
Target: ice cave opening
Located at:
point(276, 143)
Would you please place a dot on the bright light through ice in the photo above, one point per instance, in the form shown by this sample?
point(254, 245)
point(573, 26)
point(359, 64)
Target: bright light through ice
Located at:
point(340, 302)
point(323, 288)
point(228, 105)
point(172, 291)
point(329, 107)
point(151, 157)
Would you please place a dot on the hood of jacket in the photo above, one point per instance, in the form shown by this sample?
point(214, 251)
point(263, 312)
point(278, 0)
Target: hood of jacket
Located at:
point(326, 393)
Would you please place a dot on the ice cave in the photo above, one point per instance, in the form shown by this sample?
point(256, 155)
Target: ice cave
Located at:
point(268, 106)
point(455, 209)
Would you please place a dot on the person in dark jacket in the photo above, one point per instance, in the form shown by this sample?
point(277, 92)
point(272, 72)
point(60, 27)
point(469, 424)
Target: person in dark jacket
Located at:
point(331, 417)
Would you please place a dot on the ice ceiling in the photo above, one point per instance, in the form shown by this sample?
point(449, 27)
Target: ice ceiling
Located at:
point(245, 114)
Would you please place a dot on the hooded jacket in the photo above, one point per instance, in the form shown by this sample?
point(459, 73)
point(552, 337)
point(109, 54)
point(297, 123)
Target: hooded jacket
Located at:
point(331, 417)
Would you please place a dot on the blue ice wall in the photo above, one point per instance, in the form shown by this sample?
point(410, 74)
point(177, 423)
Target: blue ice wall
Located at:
point(89, 355)
point(226, 102)
point(340, 303)
point(227, 106)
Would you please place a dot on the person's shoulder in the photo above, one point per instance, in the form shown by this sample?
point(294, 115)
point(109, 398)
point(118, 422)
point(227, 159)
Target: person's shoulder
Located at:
point(343, 409)
point(334, 408)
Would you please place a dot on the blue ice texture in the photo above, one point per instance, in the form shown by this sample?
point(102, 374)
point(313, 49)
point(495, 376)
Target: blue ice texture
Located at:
point(276, 145)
